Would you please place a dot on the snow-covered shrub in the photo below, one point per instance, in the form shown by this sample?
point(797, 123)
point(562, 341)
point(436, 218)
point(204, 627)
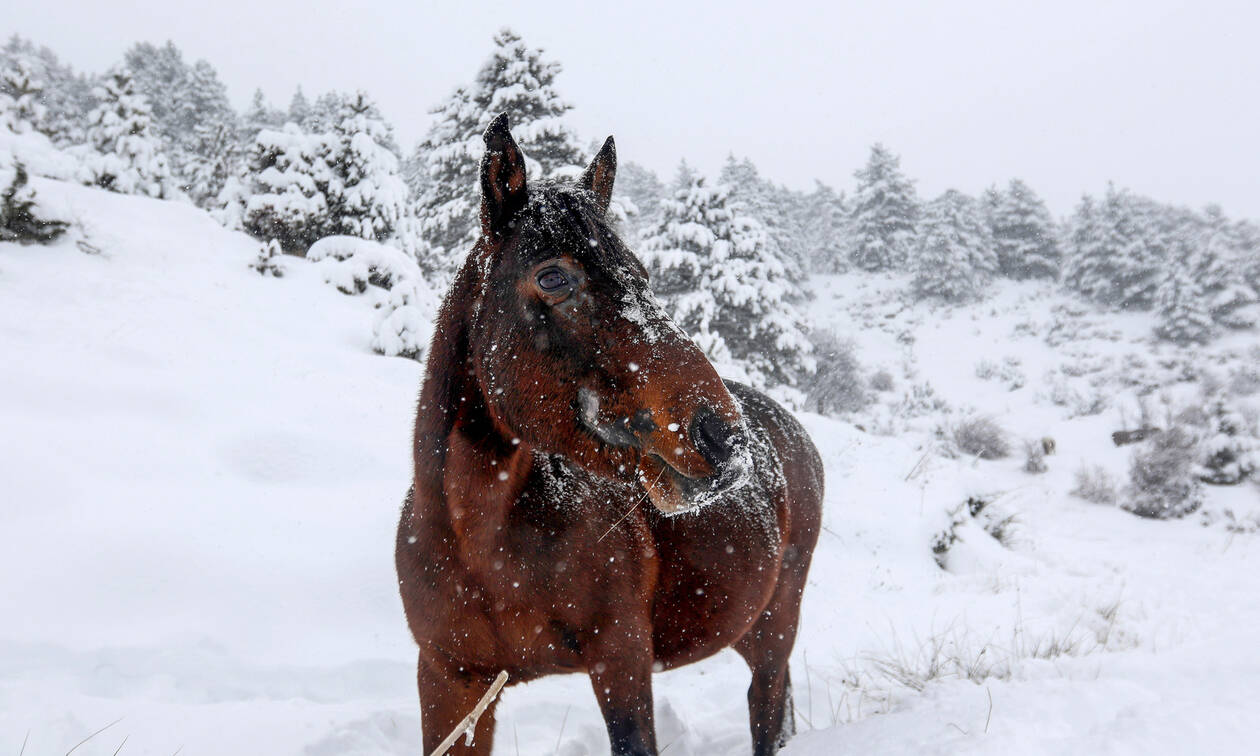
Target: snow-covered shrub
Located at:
point(982, 437)
point(1094, 484)
point(268, 261)
point(1244, 380)
point(404, 321)
point(1034, 457)
point(1008, 372)
point(1162, 480)
point(836, 385)
point(1230, 453)
point(351, 263)
point(20, 220)
point(882, 380)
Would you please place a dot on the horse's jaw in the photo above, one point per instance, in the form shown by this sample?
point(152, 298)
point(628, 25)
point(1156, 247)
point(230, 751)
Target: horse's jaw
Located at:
point(673, 493)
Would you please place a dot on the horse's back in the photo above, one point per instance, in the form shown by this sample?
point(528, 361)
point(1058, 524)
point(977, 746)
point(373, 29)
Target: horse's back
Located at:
point(800, 462)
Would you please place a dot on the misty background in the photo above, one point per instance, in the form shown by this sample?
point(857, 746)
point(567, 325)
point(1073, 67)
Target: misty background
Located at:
point(1157, 96)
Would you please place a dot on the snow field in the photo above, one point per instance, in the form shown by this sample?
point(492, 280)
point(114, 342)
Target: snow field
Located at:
point(202, 468)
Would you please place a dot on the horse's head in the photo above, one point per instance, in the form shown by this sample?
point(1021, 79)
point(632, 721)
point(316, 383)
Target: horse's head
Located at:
point(573, 354)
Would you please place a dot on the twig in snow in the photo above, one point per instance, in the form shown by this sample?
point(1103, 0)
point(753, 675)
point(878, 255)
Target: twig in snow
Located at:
point(988, 717)
point(563, 719)
point(28, 737)
point(120, 745)
point(89, 737)
point(469, 723)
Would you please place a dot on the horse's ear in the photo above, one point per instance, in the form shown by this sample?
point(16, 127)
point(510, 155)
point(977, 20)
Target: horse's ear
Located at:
point(502, 178)
point(600, 174)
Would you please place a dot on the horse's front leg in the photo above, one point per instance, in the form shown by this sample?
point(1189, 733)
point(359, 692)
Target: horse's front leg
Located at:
point(620, 666)
point(447, 695)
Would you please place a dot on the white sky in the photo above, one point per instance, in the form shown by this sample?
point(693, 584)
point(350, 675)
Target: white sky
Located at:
point(1159, 96)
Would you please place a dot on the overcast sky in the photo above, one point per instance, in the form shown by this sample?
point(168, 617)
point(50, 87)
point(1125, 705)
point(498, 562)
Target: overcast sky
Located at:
point(1161, 97)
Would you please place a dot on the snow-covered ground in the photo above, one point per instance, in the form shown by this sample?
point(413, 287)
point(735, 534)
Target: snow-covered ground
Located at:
point(200, 470)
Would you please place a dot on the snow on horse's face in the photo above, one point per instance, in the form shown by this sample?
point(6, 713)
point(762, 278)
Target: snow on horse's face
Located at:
point(574, 355)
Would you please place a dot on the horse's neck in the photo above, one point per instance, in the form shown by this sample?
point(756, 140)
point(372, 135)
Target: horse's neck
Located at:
point(459, 453)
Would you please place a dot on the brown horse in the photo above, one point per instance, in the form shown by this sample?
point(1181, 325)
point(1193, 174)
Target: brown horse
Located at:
point(558, 398)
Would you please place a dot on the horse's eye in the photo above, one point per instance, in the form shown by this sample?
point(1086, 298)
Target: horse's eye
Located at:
point(552, 279)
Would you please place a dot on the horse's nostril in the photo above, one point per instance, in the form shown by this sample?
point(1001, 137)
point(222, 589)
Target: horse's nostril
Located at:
point(712, 436)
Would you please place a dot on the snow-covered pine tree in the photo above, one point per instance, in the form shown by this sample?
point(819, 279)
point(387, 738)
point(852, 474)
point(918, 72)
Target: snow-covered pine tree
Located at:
point(260, 115)
point(371, 197)
point(644, 191)
point(1229, 454)
point(775, 208)
point(718, 278)
point(284, 188)
point(123, 153)
point(1181, 307)
point(299, 108)
point(209, 144)
point(66, 97)
point(267, 263)
point(1116, 251)
point(1024, 236)
point(884, 212)
point(826, 230)
point(21, 109)
point(954, 260)
point(20, 221)
point(1220, 268)
point(515, 79)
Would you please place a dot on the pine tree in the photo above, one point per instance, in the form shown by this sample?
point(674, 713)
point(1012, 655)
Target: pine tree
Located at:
point(1221, 267)
point(1181, 307)
point(644, 192)
point(260, 115)
point(826, 229)
point(284, 189)
point(209, 143)
point(515, 79)
point(66, 97)
point(955, 260)
point(299, 108)
point(1023, 232)
point(371, 196)
point(124, 154)
point(19, 218)
point(1116, 251)
point(21, 109)
point(717, 277)
point(774, 207)
point(885, 210)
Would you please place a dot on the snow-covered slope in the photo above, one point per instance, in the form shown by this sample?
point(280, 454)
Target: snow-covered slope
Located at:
point(201, 467)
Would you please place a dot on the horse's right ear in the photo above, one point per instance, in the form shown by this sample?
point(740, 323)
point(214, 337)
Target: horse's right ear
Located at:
point(600, 174)
point(502, 178)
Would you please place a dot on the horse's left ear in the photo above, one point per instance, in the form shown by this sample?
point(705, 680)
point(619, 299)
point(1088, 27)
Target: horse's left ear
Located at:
point(502, 178)
point(599, 175)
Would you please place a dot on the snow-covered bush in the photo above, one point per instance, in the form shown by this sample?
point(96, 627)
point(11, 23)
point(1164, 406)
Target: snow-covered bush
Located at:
point(1094, 484)
point(404, 321)
point(268, 261)
point(1034, 457)
point(1230, 453)
point(882, 380)
point(20, 219)
point(351, 263)
point(1162, 480)
point(982, 437)
point(836, 385)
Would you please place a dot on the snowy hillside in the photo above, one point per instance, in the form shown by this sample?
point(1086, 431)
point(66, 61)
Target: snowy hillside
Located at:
point(202, 468)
